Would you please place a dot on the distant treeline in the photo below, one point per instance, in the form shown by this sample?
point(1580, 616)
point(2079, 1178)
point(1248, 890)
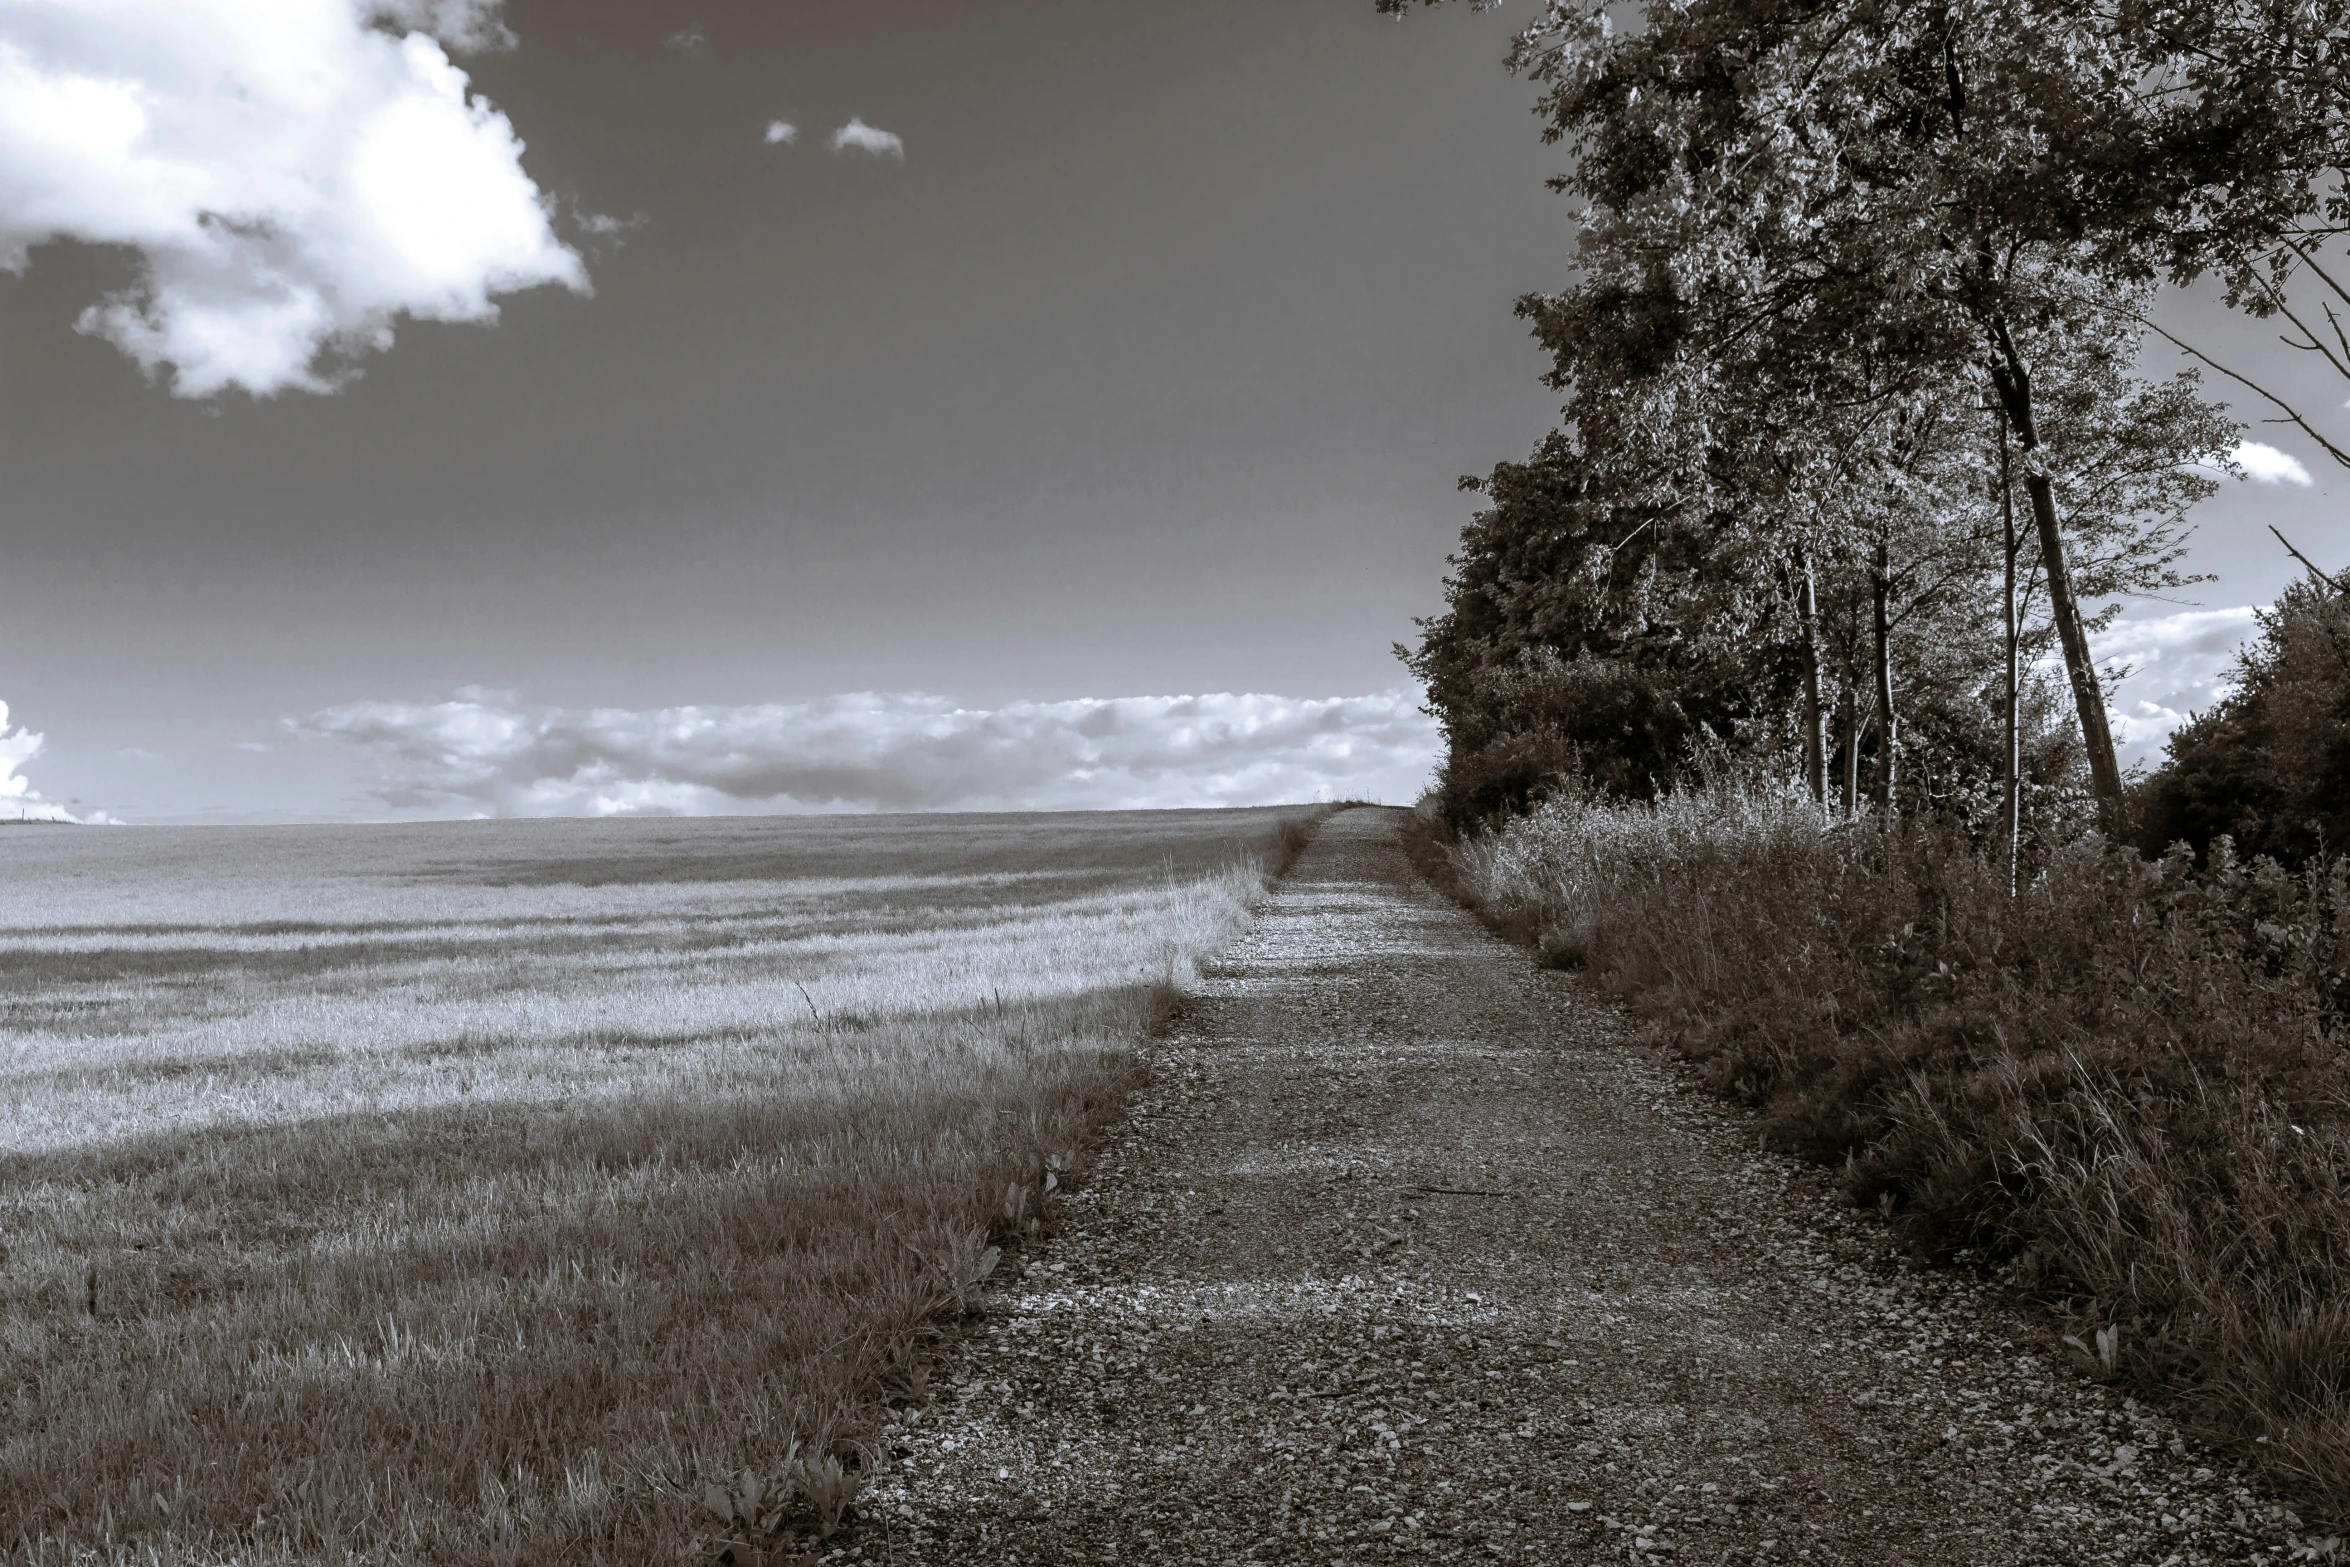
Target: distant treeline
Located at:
point(1852, 434)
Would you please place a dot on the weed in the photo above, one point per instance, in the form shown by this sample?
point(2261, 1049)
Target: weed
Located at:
point(2129, 1081)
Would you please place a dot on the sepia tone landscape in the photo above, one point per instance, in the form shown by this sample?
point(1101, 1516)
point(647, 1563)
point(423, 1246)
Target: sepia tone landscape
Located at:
point(899, 783)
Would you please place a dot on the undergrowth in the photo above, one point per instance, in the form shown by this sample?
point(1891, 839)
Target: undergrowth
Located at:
point(2128, 1082)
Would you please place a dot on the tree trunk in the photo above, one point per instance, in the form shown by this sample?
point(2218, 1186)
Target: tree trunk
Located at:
point(2105, 774)
point(1852, 752)
point(1888, 724)
point(2014, 384)
point(1815, 713)
point(2011, 813)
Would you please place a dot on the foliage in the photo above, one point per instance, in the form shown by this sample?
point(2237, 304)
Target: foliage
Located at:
point(1824, 258)
point(2269, 766)
point(1583, 637)
point(1850, 331)
point(2129, 1082)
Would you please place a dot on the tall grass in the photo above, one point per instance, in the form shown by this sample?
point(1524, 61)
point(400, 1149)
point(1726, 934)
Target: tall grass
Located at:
point(2129, 1080)
point(537, 1193)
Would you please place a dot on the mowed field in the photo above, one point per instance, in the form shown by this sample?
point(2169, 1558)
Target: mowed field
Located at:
point(522, 1192)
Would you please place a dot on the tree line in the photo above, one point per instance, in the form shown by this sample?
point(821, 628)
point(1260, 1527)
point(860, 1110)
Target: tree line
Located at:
point(1852, 436)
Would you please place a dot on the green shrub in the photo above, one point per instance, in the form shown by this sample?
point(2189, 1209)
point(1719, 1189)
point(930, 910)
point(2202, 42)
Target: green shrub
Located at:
point(2129, 1080)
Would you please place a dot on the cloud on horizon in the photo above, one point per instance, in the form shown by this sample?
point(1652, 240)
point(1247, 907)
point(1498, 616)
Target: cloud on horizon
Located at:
point(486, 753)
point(294, 177)
point(867, 138)
point(19, 801)
point(2179, 665)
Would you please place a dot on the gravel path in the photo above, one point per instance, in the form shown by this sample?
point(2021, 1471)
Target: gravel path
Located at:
point(1409, 1251)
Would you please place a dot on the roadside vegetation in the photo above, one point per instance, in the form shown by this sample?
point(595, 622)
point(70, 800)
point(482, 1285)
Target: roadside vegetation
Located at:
point(2127, 1083)
point(545, 1191)
point(1769, 679)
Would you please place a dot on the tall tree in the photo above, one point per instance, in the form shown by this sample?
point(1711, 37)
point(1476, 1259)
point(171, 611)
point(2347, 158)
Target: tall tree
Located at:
point(1584, 634)
point(1956, 184)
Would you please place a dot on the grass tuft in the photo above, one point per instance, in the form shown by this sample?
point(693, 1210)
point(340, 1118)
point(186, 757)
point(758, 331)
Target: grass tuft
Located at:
point(2128, 1083)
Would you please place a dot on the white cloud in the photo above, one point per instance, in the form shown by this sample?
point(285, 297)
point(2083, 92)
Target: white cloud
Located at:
point(19, 801)
point(2264, 464)
point(467, 25)
point(689, 41)
point(293, 178)
point(782, 131)
point(485, 752)
point(866, 138)
point(2179, 665)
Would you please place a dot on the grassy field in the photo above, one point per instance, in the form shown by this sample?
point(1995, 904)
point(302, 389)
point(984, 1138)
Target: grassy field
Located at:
point(533, 1191)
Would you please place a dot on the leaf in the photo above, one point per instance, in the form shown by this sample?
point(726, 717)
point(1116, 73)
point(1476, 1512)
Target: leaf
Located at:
point(714, 1498)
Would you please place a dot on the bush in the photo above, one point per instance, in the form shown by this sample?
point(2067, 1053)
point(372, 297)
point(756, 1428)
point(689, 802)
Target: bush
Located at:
point(2129, 1080)
point(1589, 637)
point(2268, 766)
point(1607, 721)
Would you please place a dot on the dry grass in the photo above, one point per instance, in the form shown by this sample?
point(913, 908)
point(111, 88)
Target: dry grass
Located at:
point(2130, 1080)
point(489, 1193)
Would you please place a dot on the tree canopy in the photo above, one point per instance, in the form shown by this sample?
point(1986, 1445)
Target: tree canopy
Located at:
point(1845, 356)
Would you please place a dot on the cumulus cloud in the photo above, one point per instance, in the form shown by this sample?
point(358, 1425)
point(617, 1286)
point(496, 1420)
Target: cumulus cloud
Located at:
point(468, 25)
point(2178, 665)
point(783, 131)
point(486, 753)
point(865, 138)
point(2264, 464)
point(295, 176)
point(19, 801)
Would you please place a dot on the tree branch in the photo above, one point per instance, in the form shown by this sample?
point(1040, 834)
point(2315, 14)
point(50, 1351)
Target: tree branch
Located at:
point(2337, 585)
point(2292, 414)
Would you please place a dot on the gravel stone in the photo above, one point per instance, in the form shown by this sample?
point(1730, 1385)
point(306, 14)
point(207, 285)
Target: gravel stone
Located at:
point(1411, 1250)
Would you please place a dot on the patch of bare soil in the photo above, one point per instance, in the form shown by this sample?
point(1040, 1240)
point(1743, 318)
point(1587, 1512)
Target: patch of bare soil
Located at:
point(1408, 1250)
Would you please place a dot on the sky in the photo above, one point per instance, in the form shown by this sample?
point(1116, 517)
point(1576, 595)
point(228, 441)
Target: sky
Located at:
point(601, 408)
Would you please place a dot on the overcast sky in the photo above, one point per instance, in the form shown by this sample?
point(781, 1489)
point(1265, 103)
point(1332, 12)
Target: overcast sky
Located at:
point(687, 371)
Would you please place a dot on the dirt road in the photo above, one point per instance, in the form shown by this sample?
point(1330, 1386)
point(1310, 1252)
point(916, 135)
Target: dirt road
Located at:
point(1410, 1251)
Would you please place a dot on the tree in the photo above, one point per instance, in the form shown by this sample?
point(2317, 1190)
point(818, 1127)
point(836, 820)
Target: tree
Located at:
point(2269, 765)
point(1586, 635)
point(1971, 183)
